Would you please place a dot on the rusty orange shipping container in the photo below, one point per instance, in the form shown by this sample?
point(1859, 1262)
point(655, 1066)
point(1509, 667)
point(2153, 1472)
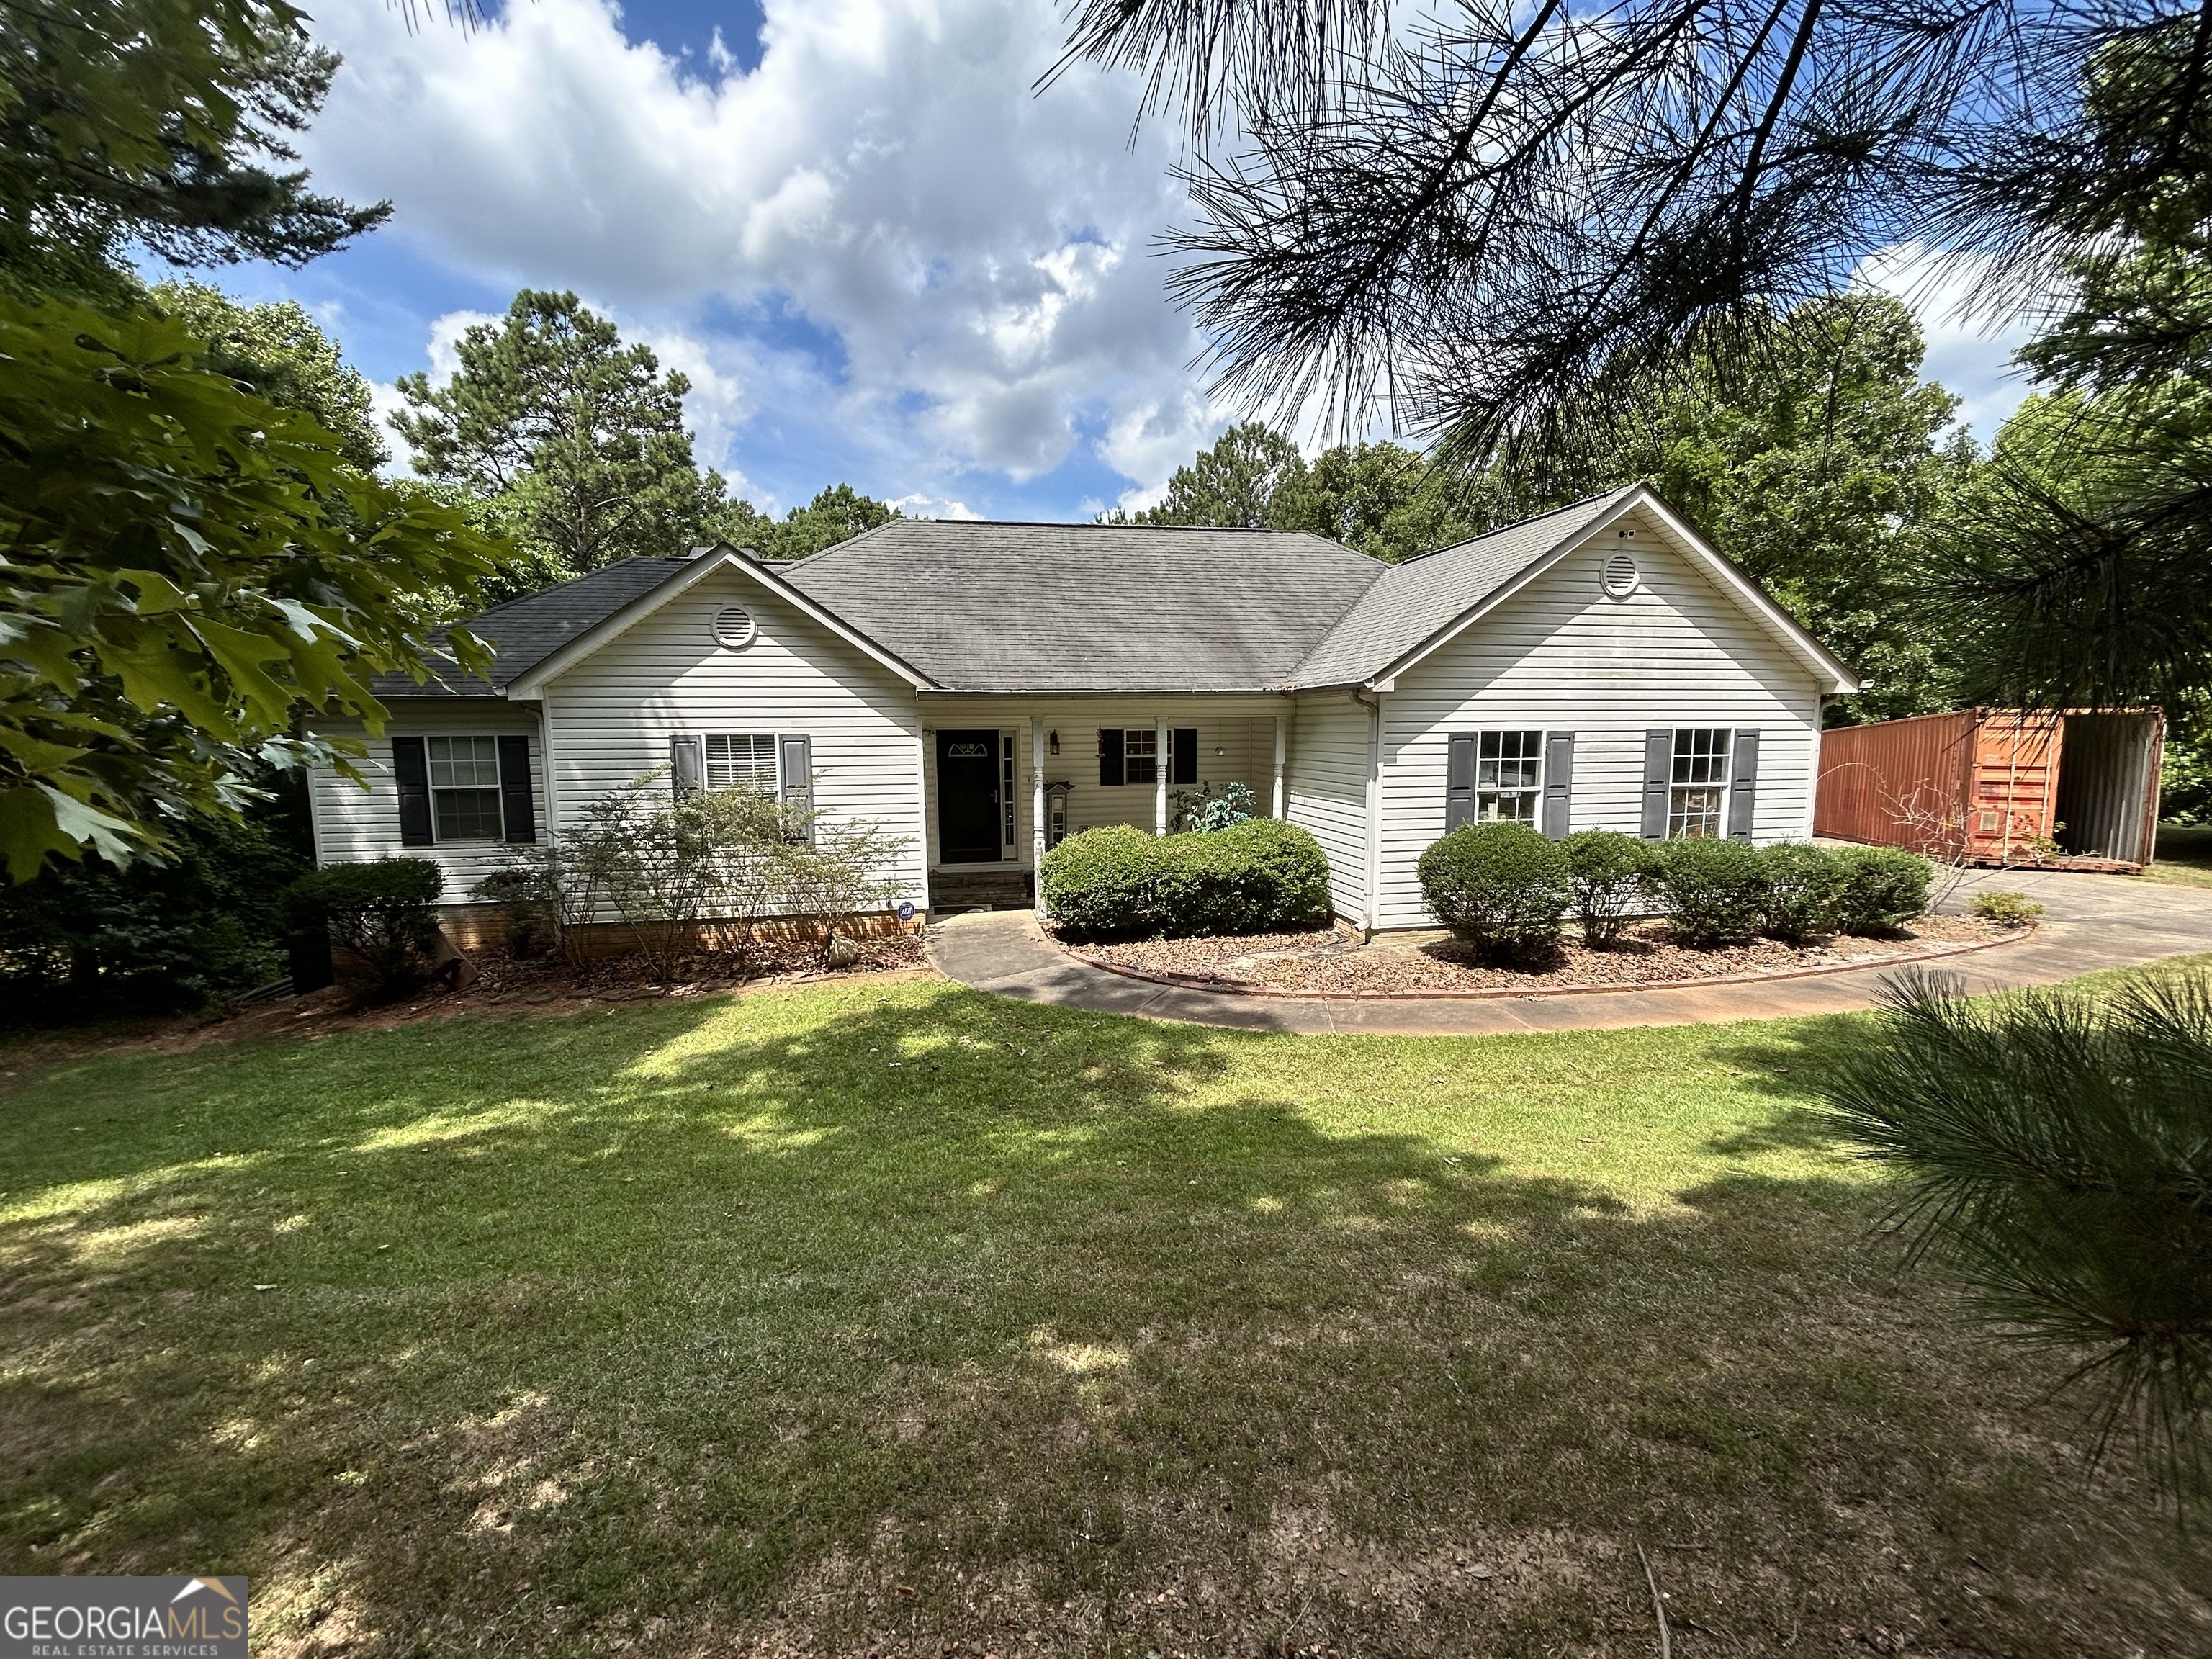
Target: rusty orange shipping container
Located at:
point(2009, 785)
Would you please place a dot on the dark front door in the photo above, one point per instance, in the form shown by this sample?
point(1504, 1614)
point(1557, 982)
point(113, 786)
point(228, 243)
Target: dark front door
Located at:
point(968, 797)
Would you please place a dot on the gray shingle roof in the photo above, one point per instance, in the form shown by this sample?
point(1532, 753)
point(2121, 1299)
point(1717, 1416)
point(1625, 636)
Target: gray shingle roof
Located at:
point(524, 632)
point(1416, 599)
point(1084, 607)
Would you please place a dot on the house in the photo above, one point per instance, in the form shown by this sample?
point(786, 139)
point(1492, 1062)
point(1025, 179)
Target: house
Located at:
point(982, 689)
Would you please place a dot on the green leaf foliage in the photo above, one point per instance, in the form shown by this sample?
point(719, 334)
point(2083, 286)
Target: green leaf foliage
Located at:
point(1503, 888)
point(836, 515)
point(160, 124)
point(1260, 876)
point(1879, 889)
point(1716, 890)
point(281, 353)
point(382, 911)
point(186, 564)
point(1609, 877)
point(2057, 1156)
point(1803, 884)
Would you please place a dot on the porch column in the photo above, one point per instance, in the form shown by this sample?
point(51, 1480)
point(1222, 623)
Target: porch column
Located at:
point(1282, 752)
point(1163, 757)
point(1037, 815)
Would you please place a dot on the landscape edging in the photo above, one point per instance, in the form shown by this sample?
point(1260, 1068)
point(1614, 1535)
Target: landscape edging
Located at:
point(1497, 992)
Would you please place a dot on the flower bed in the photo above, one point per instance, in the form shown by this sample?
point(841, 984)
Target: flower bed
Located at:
point(1648, 953)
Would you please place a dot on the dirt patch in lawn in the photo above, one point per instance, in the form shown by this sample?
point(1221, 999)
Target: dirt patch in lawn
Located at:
point(1333, 961)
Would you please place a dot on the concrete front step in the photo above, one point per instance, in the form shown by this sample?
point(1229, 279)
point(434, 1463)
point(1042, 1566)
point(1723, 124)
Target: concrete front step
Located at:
point(952, 891)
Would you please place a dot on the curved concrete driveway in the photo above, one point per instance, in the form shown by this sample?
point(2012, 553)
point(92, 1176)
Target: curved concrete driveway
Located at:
point(2093, 922)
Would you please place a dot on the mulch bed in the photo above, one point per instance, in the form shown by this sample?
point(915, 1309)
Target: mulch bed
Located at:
point(1335, 961)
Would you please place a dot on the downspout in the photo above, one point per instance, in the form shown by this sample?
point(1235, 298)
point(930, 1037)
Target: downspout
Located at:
point(1373, 902)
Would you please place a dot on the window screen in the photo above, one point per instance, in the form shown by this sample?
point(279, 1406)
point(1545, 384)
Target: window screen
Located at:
point(1697, 796)
point(464, 788)
point(745, 760)
point(1140, 755)
point(1509, 777)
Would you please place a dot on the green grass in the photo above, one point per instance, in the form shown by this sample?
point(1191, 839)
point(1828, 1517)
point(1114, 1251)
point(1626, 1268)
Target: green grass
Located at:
point(897, 1316)
point(2183, 857)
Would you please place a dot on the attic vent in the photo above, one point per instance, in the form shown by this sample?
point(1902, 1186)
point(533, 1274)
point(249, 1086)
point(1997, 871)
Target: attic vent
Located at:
point(1619, 576)
point(733, 628)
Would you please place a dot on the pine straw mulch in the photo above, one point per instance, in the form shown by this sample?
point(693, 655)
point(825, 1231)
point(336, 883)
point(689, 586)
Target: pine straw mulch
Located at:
point(1333, 961)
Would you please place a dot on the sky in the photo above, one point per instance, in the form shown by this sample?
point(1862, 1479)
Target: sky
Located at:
point(879, 256)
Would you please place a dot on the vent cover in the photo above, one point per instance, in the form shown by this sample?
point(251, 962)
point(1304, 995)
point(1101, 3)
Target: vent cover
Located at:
point(733, 628)
point(1619, 576)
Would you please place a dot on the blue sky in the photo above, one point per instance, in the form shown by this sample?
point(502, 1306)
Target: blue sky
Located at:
point(881, 258)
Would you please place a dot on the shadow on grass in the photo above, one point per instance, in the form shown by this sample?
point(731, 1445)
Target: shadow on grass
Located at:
point(889, 1315)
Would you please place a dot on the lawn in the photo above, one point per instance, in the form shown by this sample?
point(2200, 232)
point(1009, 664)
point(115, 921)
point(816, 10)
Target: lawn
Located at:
point(2184, 855)
point(899, 1318)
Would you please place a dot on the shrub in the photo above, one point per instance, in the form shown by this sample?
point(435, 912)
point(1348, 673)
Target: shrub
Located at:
point(2053, 1148)
point(2006, 909)
point(1802, 885)
point(1608, 875)
point(380, 911)
point(1502, 887)
point(1260, 876)
point(1212, 809)
point(1882, 888)
point(1715, 889)
point(532, 907)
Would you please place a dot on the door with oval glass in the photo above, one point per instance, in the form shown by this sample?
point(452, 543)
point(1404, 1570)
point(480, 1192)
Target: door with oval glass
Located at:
point(967, 797)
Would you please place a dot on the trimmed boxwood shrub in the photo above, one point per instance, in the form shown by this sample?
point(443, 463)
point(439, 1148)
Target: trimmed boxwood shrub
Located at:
point(1609, 875)
point(1715, 889)
point(1258, 876)
point(1502, 887)
point(380, 911)
point(1882, 888)
point(1802, 882)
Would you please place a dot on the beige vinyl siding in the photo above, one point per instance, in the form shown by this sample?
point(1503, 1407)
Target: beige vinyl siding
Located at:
point(1332, 740)
point(1242, 728)
point(609, 717)
point(1561, 656)
point(352, 824)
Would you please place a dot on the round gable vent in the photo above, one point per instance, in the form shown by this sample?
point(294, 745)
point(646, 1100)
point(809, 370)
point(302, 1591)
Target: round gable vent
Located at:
point(733, 628)
point(1619, 576)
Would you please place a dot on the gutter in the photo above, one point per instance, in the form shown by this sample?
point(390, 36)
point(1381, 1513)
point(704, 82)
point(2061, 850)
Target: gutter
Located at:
point(1374, 890)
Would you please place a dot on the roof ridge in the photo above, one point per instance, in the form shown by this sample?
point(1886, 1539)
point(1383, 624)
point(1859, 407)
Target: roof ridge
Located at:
point(570, 581)
point(1522, 524)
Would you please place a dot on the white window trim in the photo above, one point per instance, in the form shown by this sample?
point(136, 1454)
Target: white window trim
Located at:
point(438, 837)
point(1726, 755)
point(775, 749)
point(1532, 793)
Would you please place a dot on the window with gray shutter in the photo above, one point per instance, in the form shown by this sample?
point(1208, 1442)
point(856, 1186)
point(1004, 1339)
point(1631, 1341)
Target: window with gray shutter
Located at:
point(685, 771)
point(1459, 780)
point(410, 768)
point(517, 793)
point(1559, 783)
point(1743, 788)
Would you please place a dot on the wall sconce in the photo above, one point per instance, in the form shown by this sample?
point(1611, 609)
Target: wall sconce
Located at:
point(1220, 749)
point(1053, 741)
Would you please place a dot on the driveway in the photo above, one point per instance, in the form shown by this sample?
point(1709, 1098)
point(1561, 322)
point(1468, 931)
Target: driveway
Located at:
point(2091, 923)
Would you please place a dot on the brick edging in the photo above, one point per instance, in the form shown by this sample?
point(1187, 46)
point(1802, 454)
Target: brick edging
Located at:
point(1495, 993)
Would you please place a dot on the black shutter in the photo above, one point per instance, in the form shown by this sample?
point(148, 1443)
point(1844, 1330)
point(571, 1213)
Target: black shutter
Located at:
point(1185, 756)
point(686, 767)
point(1558, 782)
point(798, 784)
point(410, 764)
point(1658, 777)
point(1743, 788)
point(1110, 754)
point(1459, 781)
point(518, 800)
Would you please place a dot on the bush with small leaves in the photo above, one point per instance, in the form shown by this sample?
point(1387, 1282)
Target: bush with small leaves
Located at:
point(2006, 909)
point(1260, 876)
point(1802, 883)
point(1609, 878)
point(1716, 890)
point(1882, 888)
point(383, 912)
point(1502, 887)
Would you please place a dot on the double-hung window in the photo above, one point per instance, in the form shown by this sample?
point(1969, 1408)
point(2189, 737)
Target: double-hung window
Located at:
point(1509, 778)
point(1697, 786)
point(742, 761)
point(464, 788)
point(1140, 755)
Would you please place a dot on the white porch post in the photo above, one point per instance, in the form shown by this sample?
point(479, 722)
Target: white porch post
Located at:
point(1282, 753)
point(1037, 814)
point(1163, 762)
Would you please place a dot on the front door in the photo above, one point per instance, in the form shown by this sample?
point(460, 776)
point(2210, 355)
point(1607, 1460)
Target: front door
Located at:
point(968, 797)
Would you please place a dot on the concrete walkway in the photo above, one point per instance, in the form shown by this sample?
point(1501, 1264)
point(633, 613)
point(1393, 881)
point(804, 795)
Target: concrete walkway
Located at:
point(2093, 922)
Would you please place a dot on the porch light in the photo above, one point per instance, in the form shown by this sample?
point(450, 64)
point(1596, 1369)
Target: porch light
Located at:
point(1053, 740)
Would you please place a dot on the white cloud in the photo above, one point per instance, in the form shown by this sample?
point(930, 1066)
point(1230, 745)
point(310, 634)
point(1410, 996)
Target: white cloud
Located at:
point(885, 178)
point(934, 507)
point(384, 402)
point(1968, 353)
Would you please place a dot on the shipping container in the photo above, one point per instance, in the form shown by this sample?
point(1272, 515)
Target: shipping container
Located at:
point(2008, 786)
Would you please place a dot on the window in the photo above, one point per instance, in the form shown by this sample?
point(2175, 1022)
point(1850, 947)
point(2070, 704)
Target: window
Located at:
point(746, 761)
point(464, 788)
point(1697, 796)
point(1140, 755)
point(1508, 776)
